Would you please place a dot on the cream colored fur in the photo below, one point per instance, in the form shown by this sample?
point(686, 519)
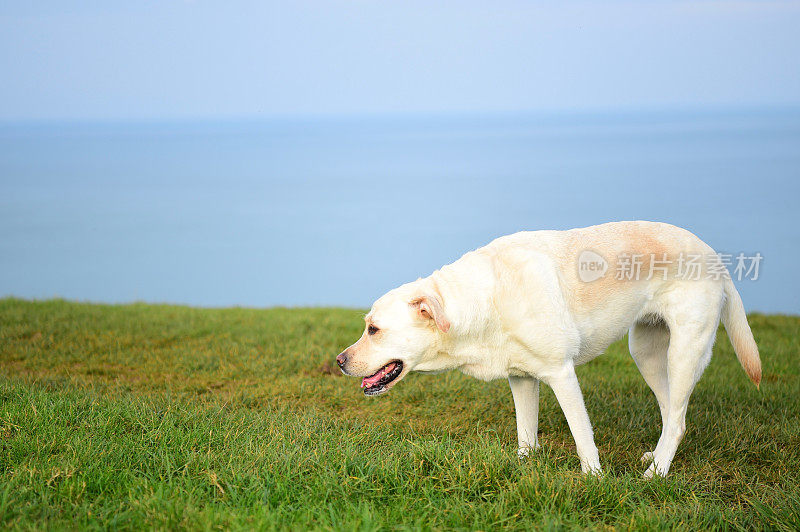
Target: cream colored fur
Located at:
point(517, 309)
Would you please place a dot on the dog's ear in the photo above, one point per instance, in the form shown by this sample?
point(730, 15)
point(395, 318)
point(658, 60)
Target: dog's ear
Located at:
point(430, 307)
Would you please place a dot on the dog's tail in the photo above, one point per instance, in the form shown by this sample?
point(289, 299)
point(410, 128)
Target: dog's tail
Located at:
point(735, 321)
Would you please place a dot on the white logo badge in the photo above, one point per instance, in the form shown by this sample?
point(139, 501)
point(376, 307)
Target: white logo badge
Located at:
point(591, 266)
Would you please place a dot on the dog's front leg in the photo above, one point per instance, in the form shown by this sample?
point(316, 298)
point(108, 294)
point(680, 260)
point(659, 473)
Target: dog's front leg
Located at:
point(526, 405)
point(565, 385)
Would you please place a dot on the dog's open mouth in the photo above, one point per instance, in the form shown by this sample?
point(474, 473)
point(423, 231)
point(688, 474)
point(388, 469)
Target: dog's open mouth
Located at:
point(378, 382)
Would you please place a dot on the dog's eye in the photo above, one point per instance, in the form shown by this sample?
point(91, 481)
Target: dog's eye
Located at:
point(372, 330)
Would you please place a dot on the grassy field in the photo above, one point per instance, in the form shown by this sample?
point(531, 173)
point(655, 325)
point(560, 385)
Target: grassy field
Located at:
point(172, 417)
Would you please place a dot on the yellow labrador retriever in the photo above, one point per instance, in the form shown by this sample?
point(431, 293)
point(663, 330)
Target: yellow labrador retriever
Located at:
point(531, 306)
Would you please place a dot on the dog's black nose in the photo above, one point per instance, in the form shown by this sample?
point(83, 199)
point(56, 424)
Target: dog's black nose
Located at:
point(341, 360)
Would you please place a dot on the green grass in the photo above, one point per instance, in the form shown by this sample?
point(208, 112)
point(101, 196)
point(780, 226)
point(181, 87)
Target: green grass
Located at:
point(171, 417)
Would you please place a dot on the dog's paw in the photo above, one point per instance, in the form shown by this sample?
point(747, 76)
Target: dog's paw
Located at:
point(595, 471)
point(525, 451)
point(647, 457)
point(654, 471)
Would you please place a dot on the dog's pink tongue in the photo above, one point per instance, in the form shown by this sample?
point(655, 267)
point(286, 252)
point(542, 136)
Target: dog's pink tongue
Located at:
point(373, 379)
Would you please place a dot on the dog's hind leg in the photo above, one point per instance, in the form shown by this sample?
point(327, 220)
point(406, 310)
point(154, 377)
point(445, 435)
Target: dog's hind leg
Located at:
point(688, 355)
point(648, 343)
point(525, 391)
point(565, 385)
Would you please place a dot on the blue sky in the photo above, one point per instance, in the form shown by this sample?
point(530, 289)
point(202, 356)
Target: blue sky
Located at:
point(200, 59)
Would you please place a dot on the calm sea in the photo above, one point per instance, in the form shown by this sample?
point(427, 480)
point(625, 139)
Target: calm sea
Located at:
point(337, 211)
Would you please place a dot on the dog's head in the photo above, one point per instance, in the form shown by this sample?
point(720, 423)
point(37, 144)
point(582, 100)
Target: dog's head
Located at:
point(403, 330)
